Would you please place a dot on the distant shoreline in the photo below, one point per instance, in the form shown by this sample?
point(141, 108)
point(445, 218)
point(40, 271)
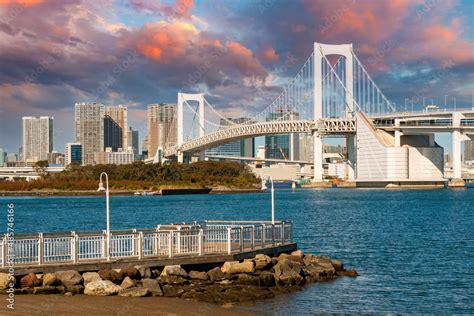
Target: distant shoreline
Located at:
point(45, 193)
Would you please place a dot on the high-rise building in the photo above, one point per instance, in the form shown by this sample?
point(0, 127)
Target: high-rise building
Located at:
point(239, 148)
point(89, 129)
point(162, 128)
point(37, 137)
point(119, 114)
point(2, 157)
point(469, 150)
point(284, 146)
point(112, 134)
point(133, 141)
point(115, 158)
point(73, 154)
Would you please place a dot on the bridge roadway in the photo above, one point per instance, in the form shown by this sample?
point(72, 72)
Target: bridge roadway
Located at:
point(420, 122)
point(10, 173)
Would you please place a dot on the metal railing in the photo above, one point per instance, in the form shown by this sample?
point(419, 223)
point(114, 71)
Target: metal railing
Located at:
point(196, 239)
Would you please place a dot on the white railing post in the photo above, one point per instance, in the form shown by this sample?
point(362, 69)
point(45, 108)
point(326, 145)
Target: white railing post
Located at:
point(241, 240)
point(134, 243)
point(105, 248)
point(4, 251)
point(157, 242)
point(74, 247)
point(253, 237)
point(140, 245)
point(201, 242)
point(291, 232)
point(178, 233)
point(282, 231)
point(264, 232)
point(170, 244)
point(273, 234)
point(40, 248)
point(229, 241)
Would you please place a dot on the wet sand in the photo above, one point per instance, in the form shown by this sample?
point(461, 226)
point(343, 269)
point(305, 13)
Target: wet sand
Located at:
point(111, 305)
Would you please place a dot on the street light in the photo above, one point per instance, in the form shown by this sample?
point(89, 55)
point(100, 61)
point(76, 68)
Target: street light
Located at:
point(101, 189)
point(273, 198)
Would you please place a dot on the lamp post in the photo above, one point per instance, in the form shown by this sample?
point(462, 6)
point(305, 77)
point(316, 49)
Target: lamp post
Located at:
point(273, 198)
point(101, 189)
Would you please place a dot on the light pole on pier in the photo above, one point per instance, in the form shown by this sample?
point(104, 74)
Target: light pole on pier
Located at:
point(101, 189)
point(273, 197)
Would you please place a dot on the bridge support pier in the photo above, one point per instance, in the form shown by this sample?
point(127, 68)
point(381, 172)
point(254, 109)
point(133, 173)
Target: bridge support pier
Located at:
point(180, 157)
point(351, 157)
point(318, 157)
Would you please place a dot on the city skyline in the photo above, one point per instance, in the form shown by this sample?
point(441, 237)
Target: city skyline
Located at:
point(139, 52)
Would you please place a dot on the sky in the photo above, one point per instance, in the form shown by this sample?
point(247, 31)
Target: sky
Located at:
point(239, 53)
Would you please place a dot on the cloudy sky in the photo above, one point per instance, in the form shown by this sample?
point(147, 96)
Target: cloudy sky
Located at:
point(239, 53)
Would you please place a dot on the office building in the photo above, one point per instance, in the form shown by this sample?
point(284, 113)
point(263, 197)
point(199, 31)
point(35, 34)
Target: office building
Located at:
point(469, 150)
point(2, 157)
point(37, 138)
point(133, 141)
point(89, 129)
point(117, 158)
point(162, 128)
point(113, 134)
point(239, 148)
point(119, 114)
point(55, 158)
point(73, 154)
point(284, 146)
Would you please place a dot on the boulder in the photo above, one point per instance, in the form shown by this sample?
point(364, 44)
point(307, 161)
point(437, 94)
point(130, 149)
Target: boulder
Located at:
point(68, 294)
point(349, 273)
point(49, 289)
point(337, 264)
point(153, 287)
point(216, 274)
point(49, 279)
point(145, 272)
point(262, 261)
point(30, 280)
point(91, 276)
point(173, 280)
point(69, 277)
point(75, 289)
point(130, 272)
point(110, 275)
point(174, 270)
point(297, 253)
point(172, 291)
point(285, 256)
point(246, 279)
point(287, 272)
point(324, 265)
point(267, 279)
point(5, 280)
point(101, 288)
point(135, 292)
point(127, 283)
point(235, 267)
point(198, 275)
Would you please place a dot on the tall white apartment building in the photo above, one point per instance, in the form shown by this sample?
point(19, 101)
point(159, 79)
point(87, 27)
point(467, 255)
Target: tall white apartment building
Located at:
point(37, 137)
point(89, 129)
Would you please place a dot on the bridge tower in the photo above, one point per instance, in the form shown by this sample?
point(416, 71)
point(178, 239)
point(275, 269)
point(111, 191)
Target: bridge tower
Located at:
point(182, 98)
point(320, 53)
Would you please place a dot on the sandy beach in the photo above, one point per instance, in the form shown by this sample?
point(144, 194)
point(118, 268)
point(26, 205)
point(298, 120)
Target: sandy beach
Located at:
point(111, 305)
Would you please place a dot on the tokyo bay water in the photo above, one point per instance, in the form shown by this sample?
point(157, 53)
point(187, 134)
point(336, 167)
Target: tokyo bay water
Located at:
point(413, 249)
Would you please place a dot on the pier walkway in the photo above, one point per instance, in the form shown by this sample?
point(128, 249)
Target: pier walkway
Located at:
point(185, 243)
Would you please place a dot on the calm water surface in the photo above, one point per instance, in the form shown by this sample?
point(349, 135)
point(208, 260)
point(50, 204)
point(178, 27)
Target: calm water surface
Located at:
point(413, 249)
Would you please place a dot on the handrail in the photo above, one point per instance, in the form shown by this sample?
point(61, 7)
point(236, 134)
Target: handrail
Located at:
point(209, 237)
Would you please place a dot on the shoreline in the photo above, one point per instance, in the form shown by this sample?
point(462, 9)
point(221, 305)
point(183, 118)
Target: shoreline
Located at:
point(45, 193)
point(113, 305)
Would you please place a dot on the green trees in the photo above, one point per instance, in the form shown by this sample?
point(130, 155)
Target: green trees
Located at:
point(139, 176)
